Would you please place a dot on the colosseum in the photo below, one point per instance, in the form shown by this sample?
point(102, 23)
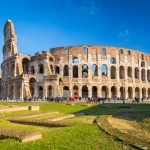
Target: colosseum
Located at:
point(73, 71)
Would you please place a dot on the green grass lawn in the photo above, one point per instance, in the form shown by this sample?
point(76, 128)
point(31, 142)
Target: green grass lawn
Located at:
point(85, 136)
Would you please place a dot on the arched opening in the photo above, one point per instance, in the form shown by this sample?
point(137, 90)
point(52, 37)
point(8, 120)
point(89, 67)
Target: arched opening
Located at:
point(49, 91)
point(136, 73)
point(40, 92)
point(57, 70)
point(94, 91)
point(51, 68)
point(32, 83)
point(32, 70)
point(75, 71)
point(94, 70)
point(66, 70)
point(130, 72)
point(75, 91)
point(85, 92)
point(60, 81)
point(130, 93)
point(122, 72)
point(113, 72)
point(142, 64)
point(144, 93)
point(11, 92)
point(25, 65)
point(113, 92)
point(75, 60)
point(143, 74)
point(148, 91)
point(104, 70)
point(104, 92)
point(66, 92)
point(148, 75)
point(122, 92)
point(112, 60)
point(84, 71)
point(51, 59)
point(18, 91)
point(137, 92)
point(41, 68)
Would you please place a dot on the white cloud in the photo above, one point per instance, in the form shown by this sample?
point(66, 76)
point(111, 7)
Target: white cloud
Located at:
point(124, 33)
point(89, 7)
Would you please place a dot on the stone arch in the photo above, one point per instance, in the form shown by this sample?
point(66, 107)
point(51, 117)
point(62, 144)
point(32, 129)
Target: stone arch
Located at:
point(130, 92)
point(148, 75)
point(104, 70)
point(66, 92)
point(122, 72)
point(104, 91)
point(32, 83)
point(142, 64)
point(94, 91)
point(112, 60)
point(122, 92)
point(66, 70)
point(130, 72)
point(137, 92)
point(40, 92)
point(143, 75)
point(94, 70)
point(32, 70)
point(144, 93)
point(57, 70)
point(50, 91)
point(18, 91)
point(51, 59)
point(11, 91)
point(75, 91)
point(113, 72)
point(75, 71)
point(85, 92)
point(25, 65)
point(113, 92)
point(75, 60)
point(84, 71)
point(148, 92)
point(41, 68)
point(136, 73)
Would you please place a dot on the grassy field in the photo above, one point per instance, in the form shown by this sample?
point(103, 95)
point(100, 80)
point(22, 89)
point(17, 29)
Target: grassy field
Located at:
point(84, 135)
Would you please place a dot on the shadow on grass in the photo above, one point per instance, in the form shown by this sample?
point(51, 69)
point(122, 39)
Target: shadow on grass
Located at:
point(125, 111)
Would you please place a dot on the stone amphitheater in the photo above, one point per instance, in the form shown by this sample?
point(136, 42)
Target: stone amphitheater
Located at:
point(73, 71)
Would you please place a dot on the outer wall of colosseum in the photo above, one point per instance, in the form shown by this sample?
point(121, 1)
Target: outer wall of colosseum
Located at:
point(78, 71)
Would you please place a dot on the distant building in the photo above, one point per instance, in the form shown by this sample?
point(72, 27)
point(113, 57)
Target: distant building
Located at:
point(78, 71)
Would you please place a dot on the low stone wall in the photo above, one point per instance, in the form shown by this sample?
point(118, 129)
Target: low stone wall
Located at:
point(19, 108)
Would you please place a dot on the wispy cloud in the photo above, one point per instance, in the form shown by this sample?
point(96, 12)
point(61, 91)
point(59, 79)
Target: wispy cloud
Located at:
point(124, 33)
point(90, 7)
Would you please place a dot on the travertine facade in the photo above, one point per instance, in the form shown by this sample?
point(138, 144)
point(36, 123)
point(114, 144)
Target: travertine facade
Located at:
point(78, 71)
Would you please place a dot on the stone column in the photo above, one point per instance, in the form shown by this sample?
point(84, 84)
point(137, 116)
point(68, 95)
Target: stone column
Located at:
point(126, 92)
point(99, 91)
point(89, 91)
point(80, 91)
point(22, 90)
point(14, 92)
point(80, 71)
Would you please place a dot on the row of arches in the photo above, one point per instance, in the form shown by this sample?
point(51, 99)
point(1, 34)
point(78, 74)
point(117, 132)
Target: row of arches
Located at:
point(113, 72)
point(106, 92)
point(94, 70)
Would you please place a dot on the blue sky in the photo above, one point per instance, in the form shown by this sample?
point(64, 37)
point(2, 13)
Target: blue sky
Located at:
point(43, 24)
